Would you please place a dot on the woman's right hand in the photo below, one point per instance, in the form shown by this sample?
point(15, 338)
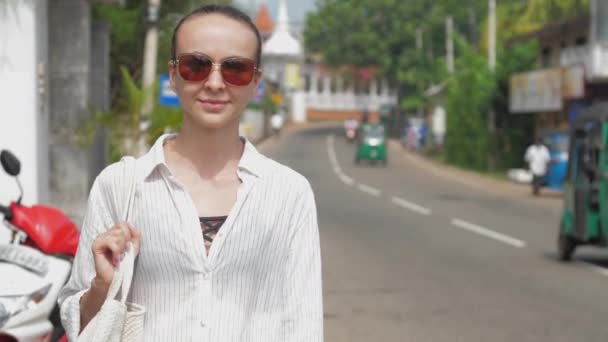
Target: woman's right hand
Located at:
point(109, 249)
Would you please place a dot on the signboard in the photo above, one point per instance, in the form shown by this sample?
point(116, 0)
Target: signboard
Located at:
point(573, 82)
point(277, 99)
point(537, 91)
point(167, 97)
point(292, 76)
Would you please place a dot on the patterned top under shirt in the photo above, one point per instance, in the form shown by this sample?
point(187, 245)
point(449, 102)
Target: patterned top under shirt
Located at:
point(210, 226)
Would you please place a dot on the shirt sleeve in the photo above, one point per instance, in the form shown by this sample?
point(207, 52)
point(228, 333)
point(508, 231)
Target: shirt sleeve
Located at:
point(303, 318)
point(97, 219)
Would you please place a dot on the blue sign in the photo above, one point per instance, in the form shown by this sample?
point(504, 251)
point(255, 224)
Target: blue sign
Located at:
point(167, 96)
point(259, 94)
point(558, 143)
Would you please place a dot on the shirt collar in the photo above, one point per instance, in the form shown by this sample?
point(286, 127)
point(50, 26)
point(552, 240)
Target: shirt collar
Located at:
point(251, 160)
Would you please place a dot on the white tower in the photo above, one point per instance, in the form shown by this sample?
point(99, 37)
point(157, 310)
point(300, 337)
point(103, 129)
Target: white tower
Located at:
point(281, 48)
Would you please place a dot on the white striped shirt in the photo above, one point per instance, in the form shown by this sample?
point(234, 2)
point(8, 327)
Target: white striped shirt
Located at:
point(261, 280)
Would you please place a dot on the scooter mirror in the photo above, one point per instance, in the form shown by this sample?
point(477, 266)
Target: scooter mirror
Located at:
point(10, 163)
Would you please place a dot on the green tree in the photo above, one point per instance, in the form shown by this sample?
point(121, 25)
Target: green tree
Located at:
point(472, 92)
point(515, 18)
point(469, 95)
point(382, 34)
point(123, 119)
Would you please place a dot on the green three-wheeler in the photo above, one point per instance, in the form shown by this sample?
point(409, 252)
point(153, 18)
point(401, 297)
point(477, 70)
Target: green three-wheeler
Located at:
point(372, 144)
point(585, 217)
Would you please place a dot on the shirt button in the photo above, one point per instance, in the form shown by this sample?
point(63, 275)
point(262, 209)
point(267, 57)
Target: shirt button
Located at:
point(202, 324)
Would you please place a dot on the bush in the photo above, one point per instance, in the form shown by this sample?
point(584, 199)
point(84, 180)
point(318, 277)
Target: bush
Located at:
point(472, 92)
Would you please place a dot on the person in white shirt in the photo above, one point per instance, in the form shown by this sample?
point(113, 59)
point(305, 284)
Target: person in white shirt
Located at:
point(538, 159)
point(227, 239)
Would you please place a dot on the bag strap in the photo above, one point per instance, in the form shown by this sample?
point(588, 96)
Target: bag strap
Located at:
point(123, 274)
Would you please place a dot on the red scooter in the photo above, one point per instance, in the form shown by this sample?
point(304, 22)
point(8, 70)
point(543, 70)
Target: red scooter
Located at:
point(35, 263)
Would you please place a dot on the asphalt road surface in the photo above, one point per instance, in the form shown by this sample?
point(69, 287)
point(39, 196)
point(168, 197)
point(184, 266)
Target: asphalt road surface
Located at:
point(412, 256)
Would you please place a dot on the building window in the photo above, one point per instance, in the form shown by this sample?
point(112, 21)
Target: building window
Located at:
point(581, 41)
point(601, 25)
point(545, 57)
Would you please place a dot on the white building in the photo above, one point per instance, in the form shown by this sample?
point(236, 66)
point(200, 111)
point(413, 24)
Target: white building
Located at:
point(281, 49)
point(24, 117)
point(54, 71)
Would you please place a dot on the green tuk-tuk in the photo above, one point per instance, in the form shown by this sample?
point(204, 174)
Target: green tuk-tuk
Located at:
point(585, 217)
point(371, 144)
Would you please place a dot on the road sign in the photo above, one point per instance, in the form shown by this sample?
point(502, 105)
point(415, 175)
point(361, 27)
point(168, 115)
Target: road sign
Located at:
point(277, 99)
point(259, 94)
point(167, 96)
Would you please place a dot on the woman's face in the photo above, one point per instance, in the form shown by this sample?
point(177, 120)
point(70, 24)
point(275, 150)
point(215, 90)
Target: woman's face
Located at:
point(214, 103)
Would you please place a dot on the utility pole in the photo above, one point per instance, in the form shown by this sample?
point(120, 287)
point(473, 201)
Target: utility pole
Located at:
point(149, 72)
point(419, 47)
point(472, 25)
point(449, 28)
point(594, 22)
point(492, 66)
point(492, 34)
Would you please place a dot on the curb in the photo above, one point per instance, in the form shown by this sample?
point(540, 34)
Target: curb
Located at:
point(270, 141)
point(548, 198)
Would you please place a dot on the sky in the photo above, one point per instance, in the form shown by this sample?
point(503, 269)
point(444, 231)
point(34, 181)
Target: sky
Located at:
point(296, 8)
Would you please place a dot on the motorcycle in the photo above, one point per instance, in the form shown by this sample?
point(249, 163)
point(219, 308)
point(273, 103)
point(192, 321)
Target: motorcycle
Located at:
point(350, 130)
point(351, 134)
point(35, 264)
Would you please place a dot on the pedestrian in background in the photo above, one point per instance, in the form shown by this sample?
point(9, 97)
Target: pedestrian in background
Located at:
point(412, 138)
point(538, 158)
point(227, 239)
point(276, 121)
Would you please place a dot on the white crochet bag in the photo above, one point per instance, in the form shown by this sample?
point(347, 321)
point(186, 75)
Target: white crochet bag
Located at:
point(117, 320)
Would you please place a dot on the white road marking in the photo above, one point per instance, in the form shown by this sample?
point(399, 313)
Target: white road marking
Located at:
point(370, 190)
point(334, 162)
point(595, 268)
point(411, 206)
point(344, 178)
point(488, 233)
point(331, 151)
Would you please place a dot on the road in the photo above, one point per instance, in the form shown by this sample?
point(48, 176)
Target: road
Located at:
point(409, 255)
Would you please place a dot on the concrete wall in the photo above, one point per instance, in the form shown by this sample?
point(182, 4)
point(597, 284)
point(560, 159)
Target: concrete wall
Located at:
point(298, 106)
point(336, 115)
point(23, 96)
point(252, 124)
point(69, 58)
point(100, 94)
point(50, 57)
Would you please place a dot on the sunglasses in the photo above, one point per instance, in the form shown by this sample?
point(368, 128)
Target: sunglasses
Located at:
point(237, 71)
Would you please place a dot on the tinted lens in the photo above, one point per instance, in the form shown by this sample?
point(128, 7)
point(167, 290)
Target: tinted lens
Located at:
point(238, 71)
point(193, 67)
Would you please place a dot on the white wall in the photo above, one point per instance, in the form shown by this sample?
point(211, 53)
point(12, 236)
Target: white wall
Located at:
point(23, 113)
point(298, 106)
point(252, 124)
